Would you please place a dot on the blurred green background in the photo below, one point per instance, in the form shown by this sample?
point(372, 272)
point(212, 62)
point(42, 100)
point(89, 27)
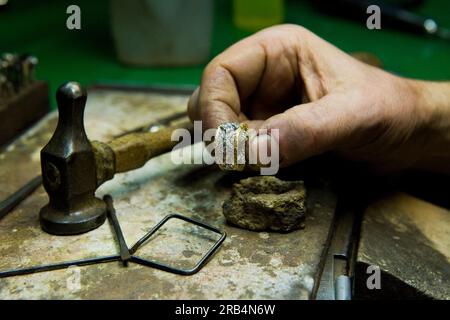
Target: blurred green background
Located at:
point(88, 55)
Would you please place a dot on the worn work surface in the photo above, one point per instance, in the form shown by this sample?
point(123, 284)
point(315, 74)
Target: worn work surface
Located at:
point(409, 239)
point(249, 265)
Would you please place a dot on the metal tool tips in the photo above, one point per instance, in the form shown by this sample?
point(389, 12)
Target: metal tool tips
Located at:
point(17, 72)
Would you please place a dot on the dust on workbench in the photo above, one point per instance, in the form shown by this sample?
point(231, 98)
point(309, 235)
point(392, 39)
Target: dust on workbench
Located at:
point(250, 265)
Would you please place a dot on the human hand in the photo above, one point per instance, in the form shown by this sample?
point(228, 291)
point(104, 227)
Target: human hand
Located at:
point(321, 99)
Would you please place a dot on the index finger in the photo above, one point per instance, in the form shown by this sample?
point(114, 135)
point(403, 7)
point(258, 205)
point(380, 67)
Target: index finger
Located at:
point(227, 80)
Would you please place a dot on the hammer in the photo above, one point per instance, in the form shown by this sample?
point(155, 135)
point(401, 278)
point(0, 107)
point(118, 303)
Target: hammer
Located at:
point(74, 167)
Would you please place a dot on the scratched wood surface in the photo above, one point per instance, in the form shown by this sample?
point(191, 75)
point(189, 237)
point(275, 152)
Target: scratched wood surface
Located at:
point(250, 265)
point(409, 240)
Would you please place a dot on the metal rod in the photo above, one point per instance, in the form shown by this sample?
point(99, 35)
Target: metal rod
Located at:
point(148, 234)
point(124, 252)
point(57, 266)
point(343, 288)
point(158, 123)
point(12, 201)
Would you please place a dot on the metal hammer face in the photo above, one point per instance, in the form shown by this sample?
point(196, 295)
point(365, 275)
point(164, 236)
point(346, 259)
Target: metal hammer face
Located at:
point(69, 170)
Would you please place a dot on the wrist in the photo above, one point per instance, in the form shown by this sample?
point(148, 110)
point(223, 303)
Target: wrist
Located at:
point(434, 98)
point(433, 108)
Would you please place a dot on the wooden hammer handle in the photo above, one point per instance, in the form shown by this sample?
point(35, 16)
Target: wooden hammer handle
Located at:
point(133, 150)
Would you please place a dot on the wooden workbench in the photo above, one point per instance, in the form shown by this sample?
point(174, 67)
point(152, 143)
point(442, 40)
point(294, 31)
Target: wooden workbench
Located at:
point(250, 265)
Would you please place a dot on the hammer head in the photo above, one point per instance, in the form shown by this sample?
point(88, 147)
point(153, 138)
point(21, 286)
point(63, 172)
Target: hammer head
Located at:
point(69, 170)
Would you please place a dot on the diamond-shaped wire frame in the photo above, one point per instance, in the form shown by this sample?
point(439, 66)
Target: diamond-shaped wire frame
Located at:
point(135, 259)
point(168, 268)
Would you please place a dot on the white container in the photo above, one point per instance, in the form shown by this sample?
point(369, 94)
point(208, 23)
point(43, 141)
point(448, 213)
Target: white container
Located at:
point(162, 32)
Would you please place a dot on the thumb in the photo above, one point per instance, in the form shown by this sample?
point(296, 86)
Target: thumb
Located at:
point(303, 131)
